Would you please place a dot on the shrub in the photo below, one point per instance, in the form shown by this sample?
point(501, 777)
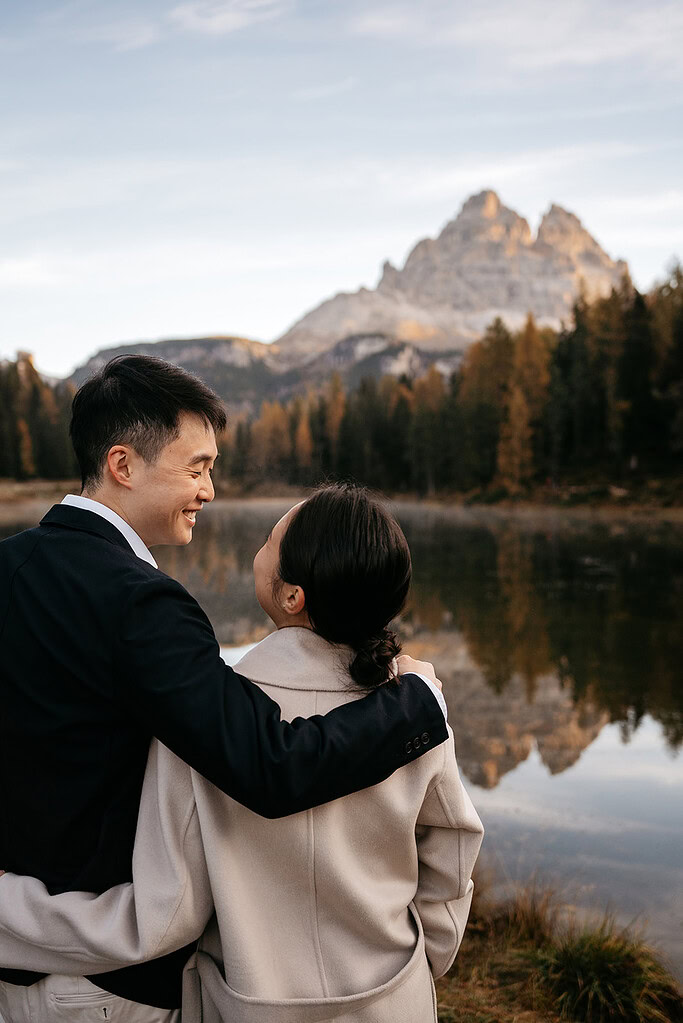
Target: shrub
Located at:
point(605, 975)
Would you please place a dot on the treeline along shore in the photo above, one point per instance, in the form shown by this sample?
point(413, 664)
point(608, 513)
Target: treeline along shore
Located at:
point(592, 411)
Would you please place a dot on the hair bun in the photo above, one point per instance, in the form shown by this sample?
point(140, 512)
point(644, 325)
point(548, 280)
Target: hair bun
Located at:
point(372, 664)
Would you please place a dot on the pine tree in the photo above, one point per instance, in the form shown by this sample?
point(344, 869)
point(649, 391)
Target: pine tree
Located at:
point(525, 400)
point(303, 444)
point(643, 425)
point(336, 402)
point(515, 454)
point(425, 441)
point(608, 333)
point(271, 445)
point(483, 386)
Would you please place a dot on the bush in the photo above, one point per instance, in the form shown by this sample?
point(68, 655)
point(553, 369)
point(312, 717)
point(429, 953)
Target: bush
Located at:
point(606, 975)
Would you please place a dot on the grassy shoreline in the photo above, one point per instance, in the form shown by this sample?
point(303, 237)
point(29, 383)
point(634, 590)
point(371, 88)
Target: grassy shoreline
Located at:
point(526, 960)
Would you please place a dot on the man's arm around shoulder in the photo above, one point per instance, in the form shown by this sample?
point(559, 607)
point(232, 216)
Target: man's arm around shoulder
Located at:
point(224, 726)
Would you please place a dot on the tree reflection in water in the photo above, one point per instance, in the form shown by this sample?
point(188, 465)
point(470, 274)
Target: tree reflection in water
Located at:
point(599, 607)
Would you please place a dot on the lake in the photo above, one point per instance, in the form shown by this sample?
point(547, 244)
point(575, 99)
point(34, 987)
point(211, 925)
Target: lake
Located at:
point(559, 643)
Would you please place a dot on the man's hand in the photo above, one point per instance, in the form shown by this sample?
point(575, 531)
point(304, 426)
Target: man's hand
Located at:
point(407, 663)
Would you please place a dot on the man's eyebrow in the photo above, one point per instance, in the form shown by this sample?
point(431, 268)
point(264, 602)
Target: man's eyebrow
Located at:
point(202, 458)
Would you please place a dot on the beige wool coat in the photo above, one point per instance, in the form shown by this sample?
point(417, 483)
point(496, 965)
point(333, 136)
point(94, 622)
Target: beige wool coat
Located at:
point(345, 912)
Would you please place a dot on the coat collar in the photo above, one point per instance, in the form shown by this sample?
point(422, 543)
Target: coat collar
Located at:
point(85, 522)
point(297, 658)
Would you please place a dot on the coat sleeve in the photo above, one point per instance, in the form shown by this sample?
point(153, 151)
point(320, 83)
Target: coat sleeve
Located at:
point(449, 835)
point(167, 905)
point(224, 726)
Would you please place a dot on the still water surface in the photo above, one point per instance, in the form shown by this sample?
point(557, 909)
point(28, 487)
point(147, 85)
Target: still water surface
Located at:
point(560, 646)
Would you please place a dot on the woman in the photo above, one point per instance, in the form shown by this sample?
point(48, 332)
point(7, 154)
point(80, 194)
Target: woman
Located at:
point(345, 912)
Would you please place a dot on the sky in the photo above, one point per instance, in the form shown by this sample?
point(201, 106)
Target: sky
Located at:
point(222, 166)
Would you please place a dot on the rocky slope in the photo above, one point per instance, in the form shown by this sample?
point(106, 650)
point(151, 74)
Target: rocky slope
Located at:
point(246, 373)
point(485, 263)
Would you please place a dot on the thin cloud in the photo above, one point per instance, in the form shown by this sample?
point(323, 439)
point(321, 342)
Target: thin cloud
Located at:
point(86, 21)
point(221, 17)
point(28, 272)
point(578, 113)
point(122, 36)
point(323, 91)
point(581, 34)
point(413, 180)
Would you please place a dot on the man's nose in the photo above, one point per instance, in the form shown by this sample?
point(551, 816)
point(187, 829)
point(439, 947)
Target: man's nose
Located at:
point(206, 491)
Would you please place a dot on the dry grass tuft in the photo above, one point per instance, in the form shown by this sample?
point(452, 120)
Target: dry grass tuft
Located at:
point(606, 975)
point(520, 963)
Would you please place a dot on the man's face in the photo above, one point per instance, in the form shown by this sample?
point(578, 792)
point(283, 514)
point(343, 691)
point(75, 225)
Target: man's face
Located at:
point(169, 493)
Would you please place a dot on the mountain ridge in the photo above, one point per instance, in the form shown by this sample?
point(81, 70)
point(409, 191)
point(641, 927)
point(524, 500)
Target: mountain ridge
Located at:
point(484, 263)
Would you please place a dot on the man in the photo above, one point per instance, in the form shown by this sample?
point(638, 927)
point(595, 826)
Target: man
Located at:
point(101, 651)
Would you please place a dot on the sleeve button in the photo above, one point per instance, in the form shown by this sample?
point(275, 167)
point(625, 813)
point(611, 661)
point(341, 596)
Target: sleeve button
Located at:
point(409, 746)
point(425, 738)
point(416, 743)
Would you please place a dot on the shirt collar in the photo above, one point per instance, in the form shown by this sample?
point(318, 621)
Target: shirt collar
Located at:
point(138, 546)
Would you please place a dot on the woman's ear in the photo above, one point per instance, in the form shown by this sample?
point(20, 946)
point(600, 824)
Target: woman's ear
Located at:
point(292, 599)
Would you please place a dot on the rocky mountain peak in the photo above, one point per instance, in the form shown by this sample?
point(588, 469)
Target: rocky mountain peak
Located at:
point(562, 229)
point(485, 263)
point(483, 219)
point(484, 204)
point(562, 234)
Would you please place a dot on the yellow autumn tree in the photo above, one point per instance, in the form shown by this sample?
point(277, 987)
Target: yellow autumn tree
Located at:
point(271, 444)
point(487, 366)
point(526, 396)
point(515, 455)
point(430, 390)
point(27, 465)
point(336, 405)
point(303, 439)
point(531, 367)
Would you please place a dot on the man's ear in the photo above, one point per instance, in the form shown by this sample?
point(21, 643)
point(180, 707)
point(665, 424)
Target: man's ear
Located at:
point(293, 599)
point(120, 460)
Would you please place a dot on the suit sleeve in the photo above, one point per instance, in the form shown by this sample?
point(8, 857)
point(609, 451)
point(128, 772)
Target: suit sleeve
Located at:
point(166, 907)
point(449, 835)
point(226, 728)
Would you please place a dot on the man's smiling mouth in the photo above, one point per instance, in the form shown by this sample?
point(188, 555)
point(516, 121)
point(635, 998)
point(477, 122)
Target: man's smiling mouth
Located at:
point(191, 516)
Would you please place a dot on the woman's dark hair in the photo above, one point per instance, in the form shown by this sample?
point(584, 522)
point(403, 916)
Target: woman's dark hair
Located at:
point(136, 400)
point(352, 561)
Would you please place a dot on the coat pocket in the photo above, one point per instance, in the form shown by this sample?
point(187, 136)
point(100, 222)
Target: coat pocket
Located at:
point(405, 998)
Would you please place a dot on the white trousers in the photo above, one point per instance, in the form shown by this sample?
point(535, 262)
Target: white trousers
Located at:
point(57, 999)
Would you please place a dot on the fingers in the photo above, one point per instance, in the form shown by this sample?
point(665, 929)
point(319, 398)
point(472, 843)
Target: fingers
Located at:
point(407, 663)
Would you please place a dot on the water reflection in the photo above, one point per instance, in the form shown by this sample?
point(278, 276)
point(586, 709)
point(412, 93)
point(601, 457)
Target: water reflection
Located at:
point(598, 609)
point(541, 635)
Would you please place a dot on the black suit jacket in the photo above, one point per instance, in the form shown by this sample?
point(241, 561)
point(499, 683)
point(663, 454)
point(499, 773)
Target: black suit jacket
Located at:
point(99, 651)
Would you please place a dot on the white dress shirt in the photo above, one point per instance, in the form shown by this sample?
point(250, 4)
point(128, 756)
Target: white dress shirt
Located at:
point(123, 527)
point(142, 551)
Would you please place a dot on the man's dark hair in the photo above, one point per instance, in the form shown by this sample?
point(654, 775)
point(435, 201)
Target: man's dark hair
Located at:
point(136, 400)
